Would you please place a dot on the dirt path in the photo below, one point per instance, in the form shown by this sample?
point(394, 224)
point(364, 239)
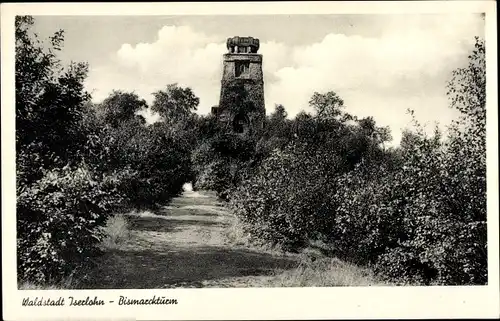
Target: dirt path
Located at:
point(183, 245)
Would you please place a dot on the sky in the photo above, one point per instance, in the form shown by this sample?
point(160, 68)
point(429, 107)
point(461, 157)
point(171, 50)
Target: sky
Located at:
point(380, 65)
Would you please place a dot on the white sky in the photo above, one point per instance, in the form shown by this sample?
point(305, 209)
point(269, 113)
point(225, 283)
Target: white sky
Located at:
point(381, 65)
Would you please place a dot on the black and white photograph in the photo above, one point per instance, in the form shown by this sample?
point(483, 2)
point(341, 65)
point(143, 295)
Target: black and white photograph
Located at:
point(249, 151)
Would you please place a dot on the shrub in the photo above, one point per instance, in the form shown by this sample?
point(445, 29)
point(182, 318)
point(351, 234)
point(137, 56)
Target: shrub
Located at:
point(447, 232)
point(161, 156)
point(363, 224)
point(447, 229)
point(287, 201)
point(155, 159)
point(424, 222)
point(57, 221)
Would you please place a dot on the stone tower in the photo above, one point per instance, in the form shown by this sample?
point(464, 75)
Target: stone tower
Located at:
point(241, 106)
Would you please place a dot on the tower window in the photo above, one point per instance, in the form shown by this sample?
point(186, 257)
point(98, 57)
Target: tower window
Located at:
point(241, 68)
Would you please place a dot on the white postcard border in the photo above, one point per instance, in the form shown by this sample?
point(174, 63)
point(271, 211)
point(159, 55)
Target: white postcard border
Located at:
point(254, 303)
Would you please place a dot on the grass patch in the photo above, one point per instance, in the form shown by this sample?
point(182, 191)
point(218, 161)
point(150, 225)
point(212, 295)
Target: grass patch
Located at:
point(116, 232)
point(325, 272)
point(316, 265)
point(236, 235)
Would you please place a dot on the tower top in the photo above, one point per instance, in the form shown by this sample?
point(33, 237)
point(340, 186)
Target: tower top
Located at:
point(243, 45)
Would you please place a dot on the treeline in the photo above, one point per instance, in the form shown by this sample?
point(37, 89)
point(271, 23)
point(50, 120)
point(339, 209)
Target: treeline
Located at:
point(79, 162)
point(415, 213)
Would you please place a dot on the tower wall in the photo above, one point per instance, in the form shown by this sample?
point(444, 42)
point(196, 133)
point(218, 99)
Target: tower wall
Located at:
point(242, 67)
point(255, 66)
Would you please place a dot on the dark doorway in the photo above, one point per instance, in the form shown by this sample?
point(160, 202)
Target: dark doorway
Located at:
point(240, 124)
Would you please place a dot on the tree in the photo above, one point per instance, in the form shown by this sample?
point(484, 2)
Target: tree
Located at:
point(121, 107)
point(327, 106)
point(466, 161)
point(279, 113)
point(409, 139)
point(303, 126)
point(467, 90)
point(467, 139)
point(367, 126)
point(175, 103)
point(277, 124)
point(49, 103)
point(467, 94)
point(60, 200)
point(444, 191)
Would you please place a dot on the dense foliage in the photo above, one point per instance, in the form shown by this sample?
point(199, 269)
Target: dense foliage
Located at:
point(416, 213)
point(57, 220)
point(79, 162)
point(59, 202)
point(289, 200)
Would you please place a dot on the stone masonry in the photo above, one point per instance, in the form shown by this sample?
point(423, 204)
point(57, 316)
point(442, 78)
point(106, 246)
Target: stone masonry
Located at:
point(241, 106)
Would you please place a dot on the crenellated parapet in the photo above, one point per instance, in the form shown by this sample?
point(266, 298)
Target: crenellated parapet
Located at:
point(243, 45)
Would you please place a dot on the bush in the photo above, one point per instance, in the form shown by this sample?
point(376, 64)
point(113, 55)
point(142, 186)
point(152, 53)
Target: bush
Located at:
point(155, 158)
point(424, 222)
point(363, 225)
point(161, 157)
point(447, 231)
point(57, 221)
point(287, 202)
